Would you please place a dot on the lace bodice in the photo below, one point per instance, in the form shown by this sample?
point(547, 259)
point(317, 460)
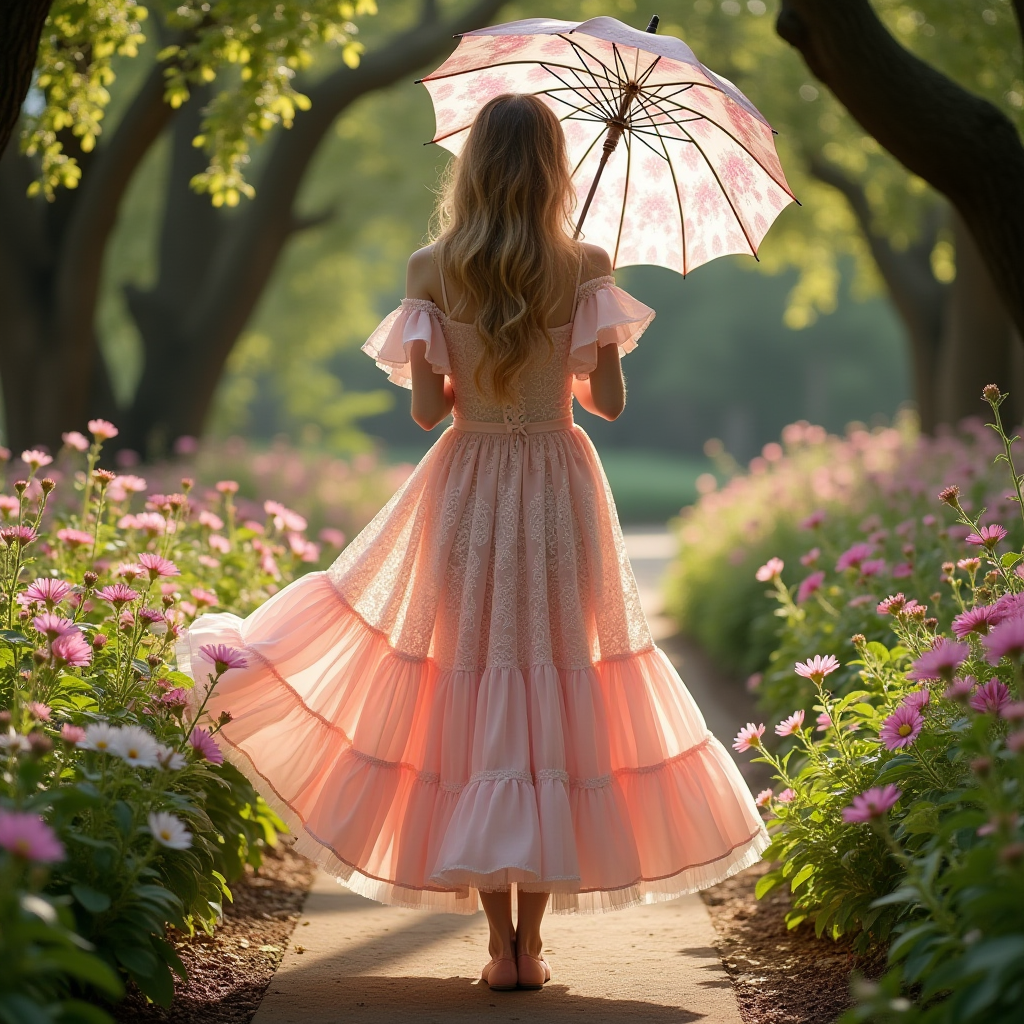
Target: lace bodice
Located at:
point(605, 315)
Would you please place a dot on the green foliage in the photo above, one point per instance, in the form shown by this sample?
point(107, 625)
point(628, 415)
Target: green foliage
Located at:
point(251, 50)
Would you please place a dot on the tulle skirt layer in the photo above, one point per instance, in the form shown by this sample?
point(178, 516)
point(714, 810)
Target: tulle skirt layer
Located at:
point(469, 698)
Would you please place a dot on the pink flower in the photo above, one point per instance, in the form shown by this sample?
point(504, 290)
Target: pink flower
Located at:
point(977, 620)
point(945, 657)
point(186, 445)
point(814, 520)
point(809, 586)
point(102, 430)
point(872, 803)
point(157, 566)
point(901, 728)
point(73, 439)
point(817, 668)
point(892, 604)
point(990, 697)
point(1015, 741)
point(74, 538)
point(872, 567)
point(28, 837)
point(118, 594)
point(853, 557)
point(771, 570)
point(285, 518)
point(810, 557)
point(8, 504)
point(40, 710)
point(989, 536)
point(22, 534)
point(1012, 712)
point(902, 570)
point(754, 681)
point(764, 798)
point(960, 689)
point(1009, 606)
point(970, 565)
point(35, 459)
point(72, 733)
point(203, 597)
point(47, 590)
point(223, 657)
point(790, 725)
point(219, 543)
point(176, 697)
point(72, 649)
point(749, 736)
point(211, 521)
point(332, 537)
point(132, 484)
point(787, 796)
point(227, 486)
point(917, 698)
point(998, 823)
point(824, 721)
point(206, 746)
point(53, 626)
point(1005, 640)
point(130, 571)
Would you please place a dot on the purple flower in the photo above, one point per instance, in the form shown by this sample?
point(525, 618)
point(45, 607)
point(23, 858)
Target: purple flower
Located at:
point(872, 803)
point(990, 697)
point(989, 536)
point(53, 626)
point(809, 586)
point(902, 570)
point(960, 689)
point(156, 565)
point(809, 558)
point(72, 649)
point(1009, 606)
point(901, 728)
point(813, 521)
point(872, 567)
point(206, 746)
point(118, 594)
point(47, 590)
point(945, 657)
point(223, 657)
point(978, 620)
point(29, 837)
point(853, 557)
point(1005, 640)
point(917, 698)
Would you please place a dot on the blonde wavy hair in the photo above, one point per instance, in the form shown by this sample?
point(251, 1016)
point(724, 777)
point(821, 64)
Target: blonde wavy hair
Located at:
point(503, 224)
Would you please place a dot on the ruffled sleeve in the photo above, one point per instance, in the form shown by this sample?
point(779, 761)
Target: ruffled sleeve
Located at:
point(605, 315)
point(388, 346)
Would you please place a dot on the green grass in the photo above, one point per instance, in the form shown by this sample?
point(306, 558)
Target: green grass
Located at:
point(649, 486)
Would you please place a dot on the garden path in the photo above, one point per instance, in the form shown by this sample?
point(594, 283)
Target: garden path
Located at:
point(354, 960)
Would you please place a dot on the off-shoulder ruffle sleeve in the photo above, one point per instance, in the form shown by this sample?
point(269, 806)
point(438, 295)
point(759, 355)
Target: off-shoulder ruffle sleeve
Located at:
point(388, 346)
point(605, 315)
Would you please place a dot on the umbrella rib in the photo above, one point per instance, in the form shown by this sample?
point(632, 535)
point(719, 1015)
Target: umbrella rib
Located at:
point(650, 70)
point(577, 91)
point(625, 200)
point(589, 149)
point(607, 99)
point(499, 64)
point(675, 187)
point(612, 84)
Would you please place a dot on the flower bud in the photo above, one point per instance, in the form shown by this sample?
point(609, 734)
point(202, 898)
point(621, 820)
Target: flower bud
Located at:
point(991, 394)
point(187, 483)
point(225, 717)
point(950, 495)
point(20, 486)
point(931, 624)
point(99, 641)
point(858, 639)
point(47, 484)
point(167, 600)
point(981, 766)
point(90, 578)
point(154, 660)
point(103, 477)
point(40, 655)
point(39, 743)
point(948, 567)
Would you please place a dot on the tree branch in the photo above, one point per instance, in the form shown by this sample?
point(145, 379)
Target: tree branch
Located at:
point(21, 25)
point(958, 142)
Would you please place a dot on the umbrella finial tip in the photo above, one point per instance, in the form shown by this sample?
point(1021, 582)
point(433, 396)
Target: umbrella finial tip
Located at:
point(653, 26)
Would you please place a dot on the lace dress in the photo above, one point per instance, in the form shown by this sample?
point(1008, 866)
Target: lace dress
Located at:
point(469, 696)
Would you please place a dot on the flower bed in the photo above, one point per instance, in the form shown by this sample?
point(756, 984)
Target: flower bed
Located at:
point(896, 669)
point(118, 815)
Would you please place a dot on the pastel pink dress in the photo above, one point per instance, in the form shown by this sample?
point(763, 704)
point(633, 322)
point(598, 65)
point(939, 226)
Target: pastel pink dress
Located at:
point(469, 697)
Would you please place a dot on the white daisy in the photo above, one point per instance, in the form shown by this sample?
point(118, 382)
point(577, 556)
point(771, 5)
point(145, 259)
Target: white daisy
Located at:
point(170, 759)
point(14, 742)
point(100, 736)
point(136, 746)
point(169, 831)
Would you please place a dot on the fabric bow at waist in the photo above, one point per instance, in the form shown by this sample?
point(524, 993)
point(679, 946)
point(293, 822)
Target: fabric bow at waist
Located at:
point(519, 428)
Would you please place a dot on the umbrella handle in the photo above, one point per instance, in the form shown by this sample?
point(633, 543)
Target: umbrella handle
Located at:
point(615, 130)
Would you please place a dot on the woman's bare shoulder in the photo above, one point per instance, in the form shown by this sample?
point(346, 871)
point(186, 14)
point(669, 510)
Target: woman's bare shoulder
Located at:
point(596, 261)
point(422, 280)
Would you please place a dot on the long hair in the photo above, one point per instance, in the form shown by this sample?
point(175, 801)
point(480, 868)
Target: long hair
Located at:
point(504, 226)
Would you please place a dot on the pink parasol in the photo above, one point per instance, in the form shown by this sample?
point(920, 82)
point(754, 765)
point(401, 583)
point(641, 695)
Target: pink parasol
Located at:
point(698, 175)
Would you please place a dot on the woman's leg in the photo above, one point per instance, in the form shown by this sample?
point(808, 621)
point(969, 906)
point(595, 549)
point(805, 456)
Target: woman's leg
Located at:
point(531, 912)
point(498, 908)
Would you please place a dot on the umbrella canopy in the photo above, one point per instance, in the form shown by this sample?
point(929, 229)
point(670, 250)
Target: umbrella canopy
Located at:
point(697, 177)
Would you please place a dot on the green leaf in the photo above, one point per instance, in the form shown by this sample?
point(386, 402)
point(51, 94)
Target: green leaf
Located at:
point(1010, 559)
point(766, 883)
point(19, 1009)
point(89, 968)
point(93, 901)
point(14, 638)
point(801, 876)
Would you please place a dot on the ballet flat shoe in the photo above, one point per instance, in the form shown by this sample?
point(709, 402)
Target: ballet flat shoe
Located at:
point(501, 974)
point(533, 971)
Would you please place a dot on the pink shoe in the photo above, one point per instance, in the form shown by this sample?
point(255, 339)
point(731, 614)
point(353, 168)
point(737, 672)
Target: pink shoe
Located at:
point(501, 974)
point(533, 971)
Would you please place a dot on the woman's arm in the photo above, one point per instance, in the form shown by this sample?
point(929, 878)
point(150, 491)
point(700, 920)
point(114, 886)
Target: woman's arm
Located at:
point(432, 393)
point(604, 393)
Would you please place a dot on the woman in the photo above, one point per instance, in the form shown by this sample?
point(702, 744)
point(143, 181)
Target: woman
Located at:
point(468, 702)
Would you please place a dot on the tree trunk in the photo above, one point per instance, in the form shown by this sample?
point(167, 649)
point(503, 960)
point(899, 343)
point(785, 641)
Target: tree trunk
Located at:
point(21, 25)
point(958, 142)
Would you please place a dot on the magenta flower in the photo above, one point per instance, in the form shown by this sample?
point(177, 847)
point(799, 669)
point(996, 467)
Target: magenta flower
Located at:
point(764, 798)
point(29, 837)
point(990, 697)
point(1012, 712)
point(102, 430)
point(960, 689)
point(23, 535)
point(176, 697)
point(817, 668)
point(72, 733)
point(989, 536)
point(787, 796)
point(74, 538)
point(1015, 741)
point(977, 620)
point(47, 590)
point(901, 728)
point(1005, 640)
point(1009, 606)
point(771, 570)
point(809, 558)
point(814, 520)
point(824, 722)
point(118, 594)
point(872, 803)
point(223, 657)
point(917, 698)
point(749, 736)
point(206, 746)
point(72, 649)
point(790, 725)
point(902, 570)
point(53, 626)
point(872, 567)
point(854, 556)
point(157, 566)
point(892, 605)
point(945, 657)
point(809, 586)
